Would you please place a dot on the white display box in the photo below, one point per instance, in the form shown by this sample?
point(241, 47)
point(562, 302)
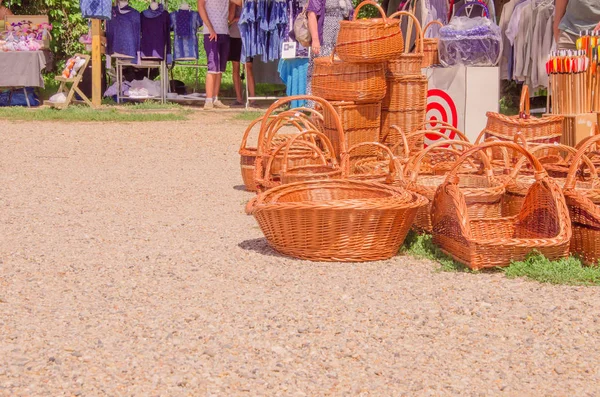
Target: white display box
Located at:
point(462, 95)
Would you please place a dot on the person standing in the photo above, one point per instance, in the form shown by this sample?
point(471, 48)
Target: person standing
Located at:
point(214, 13)
point(324, 18)
point(235, 56)
point(572, 17)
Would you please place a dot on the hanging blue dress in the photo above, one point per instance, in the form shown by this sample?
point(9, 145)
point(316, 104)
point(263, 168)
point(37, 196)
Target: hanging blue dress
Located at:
point(185, 24)
point(97, 9)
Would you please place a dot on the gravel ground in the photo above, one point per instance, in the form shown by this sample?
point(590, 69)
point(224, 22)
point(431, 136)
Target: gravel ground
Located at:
point(128, 267)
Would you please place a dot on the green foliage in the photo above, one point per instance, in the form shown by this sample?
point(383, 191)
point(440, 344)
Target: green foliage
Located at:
point(568, 271)
point(127, 113)
point(248, 116)
point(421, 246)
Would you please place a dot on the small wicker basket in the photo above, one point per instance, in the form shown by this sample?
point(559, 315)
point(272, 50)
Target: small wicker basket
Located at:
point(369, 40)
point(430, 47)
point(408, 63)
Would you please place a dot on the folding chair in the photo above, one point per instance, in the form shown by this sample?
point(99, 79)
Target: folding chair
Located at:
point(74, 86)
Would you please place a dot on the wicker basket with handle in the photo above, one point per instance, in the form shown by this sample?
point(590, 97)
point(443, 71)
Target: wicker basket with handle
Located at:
point(248, 154)
point(408, 63)
point(534, 130)
point(326, 167)
point(369, 40)
point(336, 220)
point(483, 193)
point(377, 168)
point(265, 138)
point(337, 80)
point(584, 209)
point(543, 223)
point(430, 47)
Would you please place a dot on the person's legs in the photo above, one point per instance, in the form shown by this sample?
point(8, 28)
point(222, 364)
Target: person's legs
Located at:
point(237, 81)
point(235, 54)
point(211, 48)
point(250, 77)
point(223, 54)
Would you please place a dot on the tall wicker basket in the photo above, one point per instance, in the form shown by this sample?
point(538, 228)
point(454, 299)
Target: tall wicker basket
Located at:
point(361, 123)
point(430, 47)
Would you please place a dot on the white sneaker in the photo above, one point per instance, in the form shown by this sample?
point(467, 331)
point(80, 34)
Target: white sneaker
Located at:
point(209, 105)
point(220, 105)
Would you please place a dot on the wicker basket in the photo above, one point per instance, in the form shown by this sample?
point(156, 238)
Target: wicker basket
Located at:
point(408, 64)
point(542, 224)
point(248, 154)
point(483, 193)
point(430, 47)
point(336, 80)
point(336, 220)
point(326, 167)
point(369, 40)
point(361, 123)
point(381, 167)
point(265, 138)
point(405, 105)
point(534, 130)
point(584, 209)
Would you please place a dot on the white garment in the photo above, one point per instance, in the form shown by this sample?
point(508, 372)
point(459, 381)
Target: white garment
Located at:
point(505, 17)
point(513, 25)
point(218, 11)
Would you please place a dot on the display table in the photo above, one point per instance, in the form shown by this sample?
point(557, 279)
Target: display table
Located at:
point(22, 68)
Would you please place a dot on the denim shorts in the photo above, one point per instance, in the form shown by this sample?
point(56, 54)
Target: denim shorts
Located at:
point(217, 53)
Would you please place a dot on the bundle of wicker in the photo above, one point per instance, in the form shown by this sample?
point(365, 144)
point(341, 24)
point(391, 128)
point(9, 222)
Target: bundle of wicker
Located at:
point(337, 80)
point(430, 47)
point(534, 131)
point(408, 63)
point(266, 146)
point(361, 123)
point(369, 40)
point(543, 223)
point(483, 192)
point(326, 168)
point(375, 168)
point(336, 220)
point(248, 154)
point(584, 209)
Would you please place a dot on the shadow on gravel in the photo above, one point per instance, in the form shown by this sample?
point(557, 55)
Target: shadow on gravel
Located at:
point(261, 246)
point(241, 188)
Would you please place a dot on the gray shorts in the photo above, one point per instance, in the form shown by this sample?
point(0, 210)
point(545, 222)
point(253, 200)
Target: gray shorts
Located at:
point(566, 41)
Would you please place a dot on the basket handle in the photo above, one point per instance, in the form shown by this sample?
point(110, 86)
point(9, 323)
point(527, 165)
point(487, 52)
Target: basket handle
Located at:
point(346, 159)
point(430, 24)
point(540, 172)
point(247, 132)
point(418, 29)
point(364, 3)
point(473, 3)
point(251, 205)
point(524, 105)
point(570, 183)
point(451, 128)
point(313, 112)
point(403, 141)
point(565, 148)
point(504, 151)
point(414, 167)
point(314, 147)
point(430, 123)
point(285, 148)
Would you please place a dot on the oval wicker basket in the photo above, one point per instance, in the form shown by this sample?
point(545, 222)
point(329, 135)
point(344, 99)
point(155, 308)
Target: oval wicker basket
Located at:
point(369, 40)
point(542, 224)
point(373, 167)
point(336, 220)
point(408, 63)
point(336, 80)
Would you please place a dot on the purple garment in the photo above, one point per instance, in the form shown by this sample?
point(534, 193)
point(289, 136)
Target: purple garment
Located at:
point(217, 53)
point(183, 22)
point(123, 32)
point(156, 36)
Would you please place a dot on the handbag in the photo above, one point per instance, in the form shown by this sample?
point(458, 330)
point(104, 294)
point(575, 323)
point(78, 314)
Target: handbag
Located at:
point(301, 30)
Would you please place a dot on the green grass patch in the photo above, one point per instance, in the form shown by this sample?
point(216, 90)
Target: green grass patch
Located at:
point(421, 246)
point(569, 271)
point(127, 113)
point(248, 115)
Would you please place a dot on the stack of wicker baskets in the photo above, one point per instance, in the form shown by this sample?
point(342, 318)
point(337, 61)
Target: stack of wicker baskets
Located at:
point(355, 82)
point(405, 103)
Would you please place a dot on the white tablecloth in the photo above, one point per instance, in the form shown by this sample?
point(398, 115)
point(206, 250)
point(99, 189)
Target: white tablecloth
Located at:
point(22, 68)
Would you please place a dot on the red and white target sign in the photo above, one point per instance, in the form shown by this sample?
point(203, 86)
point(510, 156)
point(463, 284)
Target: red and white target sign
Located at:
point(441, 107)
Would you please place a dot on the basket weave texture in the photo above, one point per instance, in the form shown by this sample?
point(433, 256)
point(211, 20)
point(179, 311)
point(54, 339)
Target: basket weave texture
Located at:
point(336, 220)
point(542, 224)
point(361, 123)
point(408, 63)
